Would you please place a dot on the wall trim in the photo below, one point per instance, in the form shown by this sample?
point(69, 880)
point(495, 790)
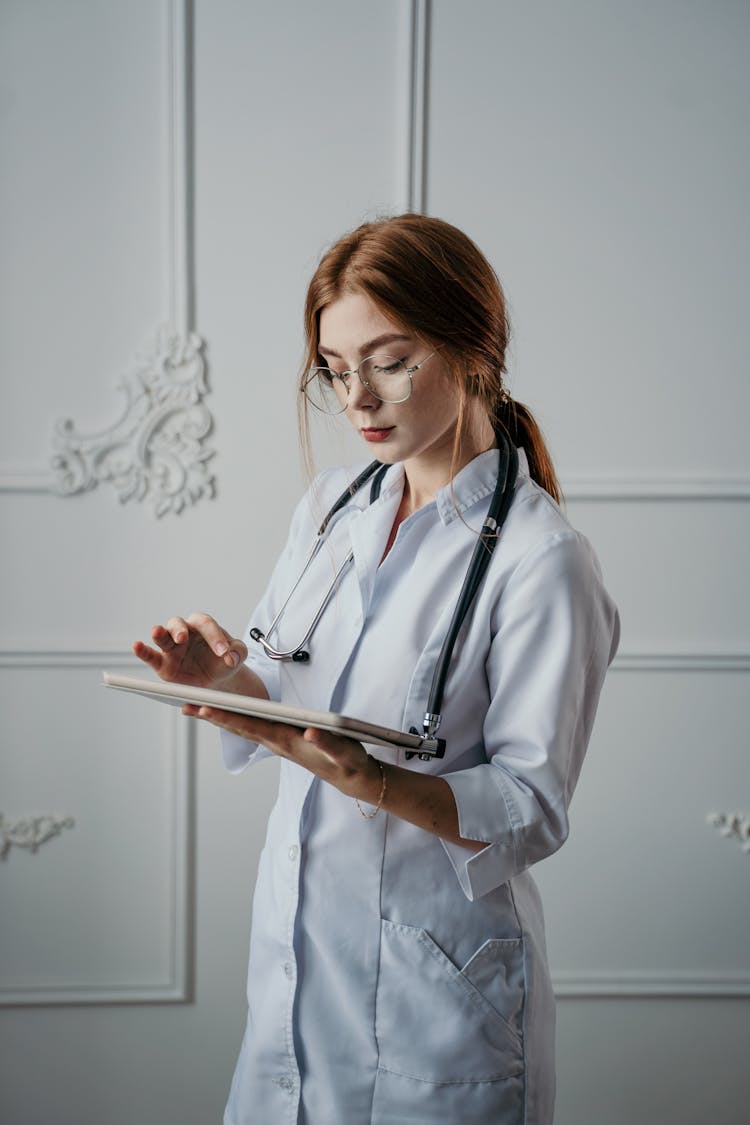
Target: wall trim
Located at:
point(177, 985)
point(68, 658)
point(654, 661)
point(662, 490)
point(682, 662)
point(591, 985)
point(419, 73)
point(18, 479)
point(667, 489)
point(177, 198)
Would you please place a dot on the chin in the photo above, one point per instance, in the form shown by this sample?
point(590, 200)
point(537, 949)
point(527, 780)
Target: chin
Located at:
point(385, 456)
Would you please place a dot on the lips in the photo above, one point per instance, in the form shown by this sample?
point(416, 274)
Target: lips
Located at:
point(371, 434)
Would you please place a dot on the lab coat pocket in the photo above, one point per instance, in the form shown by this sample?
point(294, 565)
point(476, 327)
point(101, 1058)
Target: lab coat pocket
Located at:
point(441, 1024)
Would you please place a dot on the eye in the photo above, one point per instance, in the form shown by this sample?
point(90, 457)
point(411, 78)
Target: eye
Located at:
point(325, 373)
point(392, 368)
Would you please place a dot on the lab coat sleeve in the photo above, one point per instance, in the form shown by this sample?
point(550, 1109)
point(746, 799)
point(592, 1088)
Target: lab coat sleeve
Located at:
point(556, 632)
point(239, 752)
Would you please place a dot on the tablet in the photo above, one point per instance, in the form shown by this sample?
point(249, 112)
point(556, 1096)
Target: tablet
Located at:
point(179, 694)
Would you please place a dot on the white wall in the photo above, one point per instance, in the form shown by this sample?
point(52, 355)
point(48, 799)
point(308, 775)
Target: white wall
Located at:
point(598, 153)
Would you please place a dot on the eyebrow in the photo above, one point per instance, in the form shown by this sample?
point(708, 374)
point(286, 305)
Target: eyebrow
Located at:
point(367, 349)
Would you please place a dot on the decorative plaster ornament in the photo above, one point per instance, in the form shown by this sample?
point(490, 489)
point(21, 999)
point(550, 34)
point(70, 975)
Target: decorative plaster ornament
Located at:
point(156, 449)
point(31, 832)
point(733, 825)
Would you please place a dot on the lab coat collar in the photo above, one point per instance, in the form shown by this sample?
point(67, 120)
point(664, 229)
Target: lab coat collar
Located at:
point(475, 482)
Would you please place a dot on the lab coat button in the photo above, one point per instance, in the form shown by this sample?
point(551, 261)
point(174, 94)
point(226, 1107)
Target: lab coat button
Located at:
point(286, 1084)
point(293, 852)
point(288, 970)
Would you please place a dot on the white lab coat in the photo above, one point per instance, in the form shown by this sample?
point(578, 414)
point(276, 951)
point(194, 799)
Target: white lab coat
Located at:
point(395, 977)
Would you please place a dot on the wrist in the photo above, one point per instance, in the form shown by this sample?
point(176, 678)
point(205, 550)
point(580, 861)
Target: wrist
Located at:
point(376, 788)
point(243, 681)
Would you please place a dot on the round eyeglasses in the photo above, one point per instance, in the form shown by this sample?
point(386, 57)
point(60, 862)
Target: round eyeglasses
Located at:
point(383, 376)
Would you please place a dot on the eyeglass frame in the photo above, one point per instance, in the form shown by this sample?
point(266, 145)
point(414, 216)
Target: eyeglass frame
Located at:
point(344, 375)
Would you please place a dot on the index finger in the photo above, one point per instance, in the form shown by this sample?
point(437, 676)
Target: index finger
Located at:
point(176, 630)
point(218, 639)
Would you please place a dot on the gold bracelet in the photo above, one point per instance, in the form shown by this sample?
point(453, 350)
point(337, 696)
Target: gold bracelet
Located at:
point(381, 798)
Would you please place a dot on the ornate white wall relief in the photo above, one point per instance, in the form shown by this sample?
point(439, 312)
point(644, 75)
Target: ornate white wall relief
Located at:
point(156, 450)
point(30, 832)
point(733, 826)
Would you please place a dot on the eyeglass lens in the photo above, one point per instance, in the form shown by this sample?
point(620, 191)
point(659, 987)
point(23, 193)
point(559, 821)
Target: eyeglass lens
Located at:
point(384, 376)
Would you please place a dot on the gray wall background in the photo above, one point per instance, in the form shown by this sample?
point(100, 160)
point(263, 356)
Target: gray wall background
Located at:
point(167, 161)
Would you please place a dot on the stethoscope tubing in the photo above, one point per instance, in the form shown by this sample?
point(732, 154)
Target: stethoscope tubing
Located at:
point(377, 471)
point(480, 560)
point(497, 512)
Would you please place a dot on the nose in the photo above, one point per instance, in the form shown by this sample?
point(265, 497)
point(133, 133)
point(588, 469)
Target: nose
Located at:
point(359, 397)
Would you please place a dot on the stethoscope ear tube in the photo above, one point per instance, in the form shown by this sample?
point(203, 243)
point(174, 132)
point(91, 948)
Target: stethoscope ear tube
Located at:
point(480, 559)
point(375, 469)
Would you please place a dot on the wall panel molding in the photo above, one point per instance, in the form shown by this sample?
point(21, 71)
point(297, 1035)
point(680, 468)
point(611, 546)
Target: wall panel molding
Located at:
point(657, 489)
point(18, 479)
point(156, 449)
point(177, 198)
point(656, 661)
point(599, 985)
point(663, 490)
point(67, 658)
point(419, 75)
point(622, 983)
point(176, 985)
point(568, 984)
point(585, 487)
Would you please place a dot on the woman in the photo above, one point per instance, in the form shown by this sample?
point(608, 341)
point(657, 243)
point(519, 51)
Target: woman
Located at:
point(397, 963)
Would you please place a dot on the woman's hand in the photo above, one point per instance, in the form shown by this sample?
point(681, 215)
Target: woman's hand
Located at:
point(422, 799)
point(342, 762)
point(197, 651)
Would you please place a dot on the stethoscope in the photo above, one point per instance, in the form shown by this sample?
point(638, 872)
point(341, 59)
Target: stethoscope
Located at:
point(431, 746)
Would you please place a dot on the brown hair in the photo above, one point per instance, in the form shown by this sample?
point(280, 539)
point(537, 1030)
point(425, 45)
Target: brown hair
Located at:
point(430, 278)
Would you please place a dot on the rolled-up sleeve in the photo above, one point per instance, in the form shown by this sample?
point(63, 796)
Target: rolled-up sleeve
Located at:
point(556, 632)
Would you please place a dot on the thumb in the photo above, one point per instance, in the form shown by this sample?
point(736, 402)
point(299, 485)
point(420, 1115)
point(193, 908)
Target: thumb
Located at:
point(334, 745)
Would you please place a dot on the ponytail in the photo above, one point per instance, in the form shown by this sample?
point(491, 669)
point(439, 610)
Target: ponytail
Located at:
point(524, 432)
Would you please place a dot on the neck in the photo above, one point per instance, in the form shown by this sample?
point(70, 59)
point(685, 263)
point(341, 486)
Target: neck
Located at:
point(426, 475)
